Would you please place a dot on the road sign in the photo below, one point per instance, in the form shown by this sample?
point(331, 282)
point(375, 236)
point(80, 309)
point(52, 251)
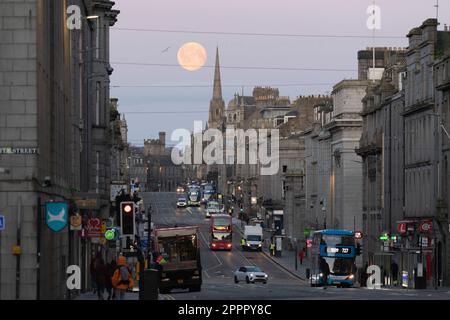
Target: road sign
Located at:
point(56, 215)
point(2, 223)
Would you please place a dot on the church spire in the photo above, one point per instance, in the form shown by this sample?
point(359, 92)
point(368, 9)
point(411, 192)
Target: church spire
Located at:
point(216, 105)
point(217, 93)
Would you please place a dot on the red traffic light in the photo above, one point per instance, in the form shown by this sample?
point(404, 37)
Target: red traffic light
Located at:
point(127, 207)
point(358, 235)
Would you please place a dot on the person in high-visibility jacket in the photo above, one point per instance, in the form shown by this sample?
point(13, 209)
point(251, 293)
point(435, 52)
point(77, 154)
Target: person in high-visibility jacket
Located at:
point(122, 279)
point(272, 248)
point(243, 243)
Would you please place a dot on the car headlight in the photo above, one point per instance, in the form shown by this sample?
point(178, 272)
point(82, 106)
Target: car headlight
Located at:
point(260, 245)
point(252, 275)
point(351, 276)
point(321, 274)
point(265, 276)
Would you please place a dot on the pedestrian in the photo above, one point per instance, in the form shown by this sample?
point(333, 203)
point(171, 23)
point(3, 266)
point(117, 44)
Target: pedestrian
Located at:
point(243, 243)
point(325, 270)
point(92, 273)
point(100, 274)
point(364, 276)
point(394, 271)
point(122, 279)
point(111, 268)
point(301, 255)
point(272, 248)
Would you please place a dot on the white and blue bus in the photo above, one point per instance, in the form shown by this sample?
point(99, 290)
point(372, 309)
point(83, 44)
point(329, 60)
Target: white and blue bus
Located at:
point(193, 195)
point(208, 192)
point(336, 250)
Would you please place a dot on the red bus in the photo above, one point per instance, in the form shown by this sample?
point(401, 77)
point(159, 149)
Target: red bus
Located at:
point(221, 232)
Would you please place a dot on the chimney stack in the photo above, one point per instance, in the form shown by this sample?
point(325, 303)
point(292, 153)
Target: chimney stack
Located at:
point(162, 138)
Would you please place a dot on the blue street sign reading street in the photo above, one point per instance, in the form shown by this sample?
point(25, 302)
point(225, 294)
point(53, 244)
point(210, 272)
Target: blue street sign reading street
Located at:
point(56, 215)
point(2, 223)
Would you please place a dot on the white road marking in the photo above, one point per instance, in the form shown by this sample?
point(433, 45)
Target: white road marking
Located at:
point(279, 268)
point(215, 255)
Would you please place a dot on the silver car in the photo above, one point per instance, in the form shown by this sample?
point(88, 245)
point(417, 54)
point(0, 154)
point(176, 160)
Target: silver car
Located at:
point(250, 274)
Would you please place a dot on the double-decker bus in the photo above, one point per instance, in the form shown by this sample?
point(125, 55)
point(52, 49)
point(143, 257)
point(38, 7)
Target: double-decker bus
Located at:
point(337, 249)
point(221, 232)
point(208, 192)
point(193, 195)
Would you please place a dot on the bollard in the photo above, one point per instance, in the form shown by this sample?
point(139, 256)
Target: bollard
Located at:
point(149, 284)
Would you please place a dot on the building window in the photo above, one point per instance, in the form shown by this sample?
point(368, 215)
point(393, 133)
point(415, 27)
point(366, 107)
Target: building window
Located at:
point(97, 38)
point(97, 104)
point(97, 176)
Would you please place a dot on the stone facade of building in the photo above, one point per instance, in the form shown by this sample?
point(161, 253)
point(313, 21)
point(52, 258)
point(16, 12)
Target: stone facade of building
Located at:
point(54, 103)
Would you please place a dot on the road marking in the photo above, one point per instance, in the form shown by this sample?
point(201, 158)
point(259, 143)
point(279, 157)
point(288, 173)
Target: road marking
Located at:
point(280, 268)
point(215, 255)
point(245, 258)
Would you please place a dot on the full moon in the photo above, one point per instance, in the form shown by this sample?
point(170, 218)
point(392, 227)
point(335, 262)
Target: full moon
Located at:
point(192, 56)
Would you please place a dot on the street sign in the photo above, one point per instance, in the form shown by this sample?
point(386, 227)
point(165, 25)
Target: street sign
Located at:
point(401, 228)
point(426, 226)
point(306, 232)
point(75, 222)
point(115, 190)
point(8, 150)
point(16, 250)
point(56, 215)
point(2, 223)
point(94, 228)
point(384, 237)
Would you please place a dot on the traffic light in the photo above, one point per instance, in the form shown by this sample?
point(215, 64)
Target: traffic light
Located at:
point(358, 249)
point(127, 212)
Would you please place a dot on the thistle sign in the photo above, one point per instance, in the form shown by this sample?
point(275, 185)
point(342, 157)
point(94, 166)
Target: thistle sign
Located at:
point(56, 215)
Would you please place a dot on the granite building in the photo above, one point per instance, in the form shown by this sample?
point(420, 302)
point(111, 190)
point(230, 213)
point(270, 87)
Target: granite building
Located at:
point(54, 141)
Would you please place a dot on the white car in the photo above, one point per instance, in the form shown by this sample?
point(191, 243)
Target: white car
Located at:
point(181, 203)
point(250, 274)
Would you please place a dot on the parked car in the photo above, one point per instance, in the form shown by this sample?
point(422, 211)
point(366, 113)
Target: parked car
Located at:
point(250, 274)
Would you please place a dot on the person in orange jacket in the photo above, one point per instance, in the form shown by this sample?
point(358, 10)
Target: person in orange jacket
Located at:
point(122, 279)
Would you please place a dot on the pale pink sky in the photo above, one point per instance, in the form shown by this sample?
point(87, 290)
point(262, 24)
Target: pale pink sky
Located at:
point(336, 17)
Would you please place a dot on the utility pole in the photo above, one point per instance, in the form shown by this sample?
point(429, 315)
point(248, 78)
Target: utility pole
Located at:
point(149, 238)
point(437, 10)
